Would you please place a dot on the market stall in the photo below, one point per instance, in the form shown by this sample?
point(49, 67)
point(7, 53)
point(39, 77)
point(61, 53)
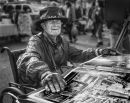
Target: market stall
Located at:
point(101, 80)
point(7, 28)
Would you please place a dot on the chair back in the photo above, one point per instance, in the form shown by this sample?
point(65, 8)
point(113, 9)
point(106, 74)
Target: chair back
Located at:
point(13, 56)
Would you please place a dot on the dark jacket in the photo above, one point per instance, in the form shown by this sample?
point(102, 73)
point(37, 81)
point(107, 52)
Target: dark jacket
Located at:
point(37, 59)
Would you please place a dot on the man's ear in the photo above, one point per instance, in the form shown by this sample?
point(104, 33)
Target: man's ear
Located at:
point(43, 25)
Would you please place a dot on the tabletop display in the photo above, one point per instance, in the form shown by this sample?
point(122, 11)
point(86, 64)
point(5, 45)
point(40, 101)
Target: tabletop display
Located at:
point(101, 80)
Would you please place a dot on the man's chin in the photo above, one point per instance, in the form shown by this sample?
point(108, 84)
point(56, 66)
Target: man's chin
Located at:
point(55, 34)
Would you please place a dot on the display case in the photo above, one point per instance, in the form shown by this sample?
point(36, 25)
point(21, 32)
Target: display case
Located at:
point(100, 80)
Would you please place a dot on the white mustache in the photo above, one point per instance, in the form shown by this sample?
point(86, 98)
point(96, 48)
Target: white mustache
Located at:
point(55, 28)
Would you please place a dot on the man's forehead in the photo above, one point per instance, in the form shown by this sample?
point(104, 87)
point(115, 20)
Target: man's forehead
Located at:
point(51, 21)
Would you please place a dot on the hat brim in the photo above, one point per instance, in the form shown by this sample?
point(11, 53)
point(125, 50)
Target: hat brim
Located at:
point(64, 20)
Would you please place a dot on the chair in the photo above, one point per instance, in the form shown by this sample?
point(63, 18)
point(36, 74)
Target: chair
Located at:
point(15, 88)
point(13, 56)
point(18, 92)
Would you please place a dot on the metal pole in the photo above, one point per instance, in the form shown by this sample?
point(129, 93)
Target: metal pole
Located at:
point(122, 34)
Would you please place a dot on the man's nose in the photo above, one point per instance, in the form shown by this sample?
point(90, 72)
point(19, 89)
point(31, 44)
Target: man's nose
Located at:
point(55, 24)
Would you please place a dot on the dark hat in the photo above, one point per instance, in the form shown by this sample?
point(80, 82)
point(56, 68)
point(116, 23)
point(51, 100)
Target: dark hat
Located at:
point(51, 13)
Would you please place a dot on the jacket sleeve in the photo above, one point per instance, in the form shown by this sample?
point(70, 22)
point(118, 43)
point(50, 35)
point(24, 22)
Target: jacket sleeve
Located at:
point(79, 56)
point(31, 65)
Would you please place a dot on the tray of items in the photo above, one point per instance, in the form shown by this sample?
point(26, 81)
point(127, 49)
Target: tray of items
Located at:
point(90, 83)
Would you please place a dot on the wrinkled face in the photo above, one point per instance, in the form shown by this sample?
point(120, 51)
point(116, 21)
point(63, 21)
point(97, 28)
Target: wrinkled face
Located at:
point(53, 27)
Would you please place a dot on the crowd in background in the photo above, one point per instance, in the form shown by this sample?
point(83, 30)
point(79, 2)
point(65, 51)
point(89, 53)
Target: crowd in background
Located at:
point(84, 15)
point(99, 16)
point(20, 16)
point(80, 14)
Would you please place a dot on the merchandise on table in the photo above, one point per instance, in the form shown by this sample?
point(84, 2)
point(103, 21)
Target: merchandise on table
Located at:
point(90, 83)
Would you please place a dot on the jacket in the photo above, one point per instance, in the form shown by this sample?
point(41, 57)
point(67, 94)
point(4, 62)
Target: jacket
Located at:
point(37, 59)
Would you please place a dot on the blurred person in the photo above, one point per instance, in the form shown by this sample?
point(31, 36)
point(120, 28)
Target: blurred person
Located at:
point(79, 17)
point(25, 22)
point(115, 28)
point(48, 52)
point(0, 13)
point(78, 11)
point(99, 20)
point(88, 6)
point(89, 23)
point(1, 47)
point(10, 11)
point(63, 8)
point(70, 14)
point(16, 16)
point(91, 15)
point(84, 7)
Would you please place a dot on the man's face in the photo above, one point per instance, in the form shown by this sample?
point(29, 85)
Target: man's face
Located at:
point(53, 27)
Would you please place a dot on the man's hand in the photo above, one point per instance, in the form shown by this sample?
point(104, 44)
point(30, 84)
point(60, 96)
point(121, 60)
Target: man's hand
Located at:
point(53, 82)
point(109, 51)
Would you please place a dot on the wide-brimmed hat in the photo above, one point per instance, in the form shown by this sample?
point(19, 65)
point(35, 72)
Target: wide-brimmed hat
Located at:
point(51, 13)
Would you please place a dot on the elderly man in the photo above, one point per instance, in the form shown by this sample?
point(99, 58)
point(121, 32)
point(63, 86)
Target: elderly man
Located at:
point(48, 51)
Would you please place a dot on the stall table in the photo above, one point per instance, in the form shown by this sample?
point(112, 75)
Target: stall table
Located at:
point(99, 80)
point(8, 30)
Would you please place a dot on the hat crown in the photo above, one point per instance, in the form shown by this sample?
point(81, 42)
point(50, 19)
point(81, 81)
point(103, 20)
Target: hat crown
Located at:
point(51, 13)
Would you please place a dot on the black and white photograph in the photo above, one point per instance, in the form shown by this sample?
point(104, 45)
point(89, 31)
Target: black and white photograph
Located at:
point(64, 51)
